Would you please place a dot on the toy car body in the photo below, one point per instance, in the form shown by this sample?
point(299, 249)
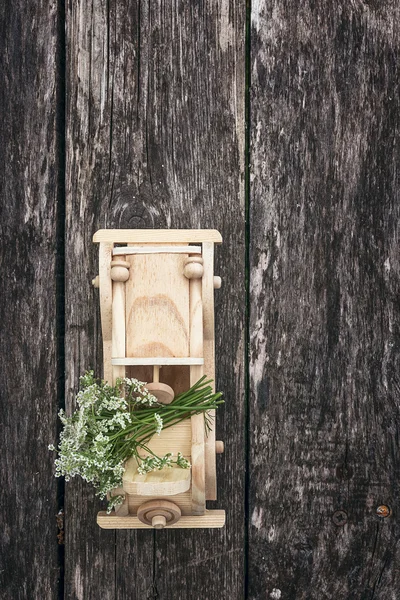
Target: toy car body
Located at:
point(157, 317)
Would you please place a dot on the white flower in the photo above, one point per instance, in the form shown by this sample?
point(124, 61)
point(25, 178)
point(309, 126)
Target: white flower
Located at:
point(182, 462)
point(159, 422)
point(137, 390)
point(115, 501)
point(111, 424)
point(154, 463)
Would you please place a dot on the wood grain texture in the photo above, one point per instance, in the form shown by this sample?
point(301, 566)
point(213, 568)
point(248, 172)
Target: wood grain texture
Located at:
point(118, 345)
point(213, 519)
point(207, 292)
point(29, 370)
point(324, 310)
point(155, 140)
point(197, 453)
point(165, 482)
point(157, 307)
point(125, 236)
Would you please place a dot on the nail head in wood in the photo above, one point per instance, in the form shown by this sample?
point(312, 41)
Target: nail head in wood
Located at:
point(339, 518)
point(383, 511)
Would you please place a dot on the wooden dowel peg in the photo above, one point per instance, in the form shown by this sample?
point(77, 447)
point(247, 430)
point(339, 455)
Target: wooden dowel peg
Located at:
point(163, 511)
point(96, 282)
point(156, 373)
point(219, 447)
point(217, 282)
point(159, 522)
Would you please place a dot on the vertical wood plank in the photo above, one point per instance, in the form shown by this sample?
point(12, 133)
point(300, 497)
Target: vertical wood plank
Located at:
point(325, 321)
point(155, 139)
point(29, 370)
point(192, 80)
point(101, 94)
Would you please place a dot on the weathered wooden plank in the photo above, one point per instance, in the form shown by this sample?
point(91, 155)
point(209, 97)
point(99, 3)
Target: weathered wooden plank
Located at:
point(192, 94)
point(91, 559)
point(325, 322)
point(29, 370)
point(155, 140)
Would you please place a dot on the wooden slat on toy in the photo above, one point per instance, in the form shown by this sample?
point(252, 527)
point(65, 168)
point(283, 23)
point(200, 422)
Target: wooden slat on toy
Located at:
point(157, 307)
point(194, 270)
point(209, 363)
point(156, 250)
point(147, 236)
point(157, 360)
point(210, 520)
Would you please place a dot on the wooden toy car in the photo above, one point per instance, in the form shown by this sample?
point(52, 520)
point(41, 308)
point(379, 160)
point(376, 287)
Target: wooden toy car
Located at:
point(157, 317)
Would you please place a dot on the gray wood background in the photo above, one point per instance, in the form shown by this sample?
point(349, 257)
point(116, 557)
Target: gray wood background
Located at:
point(277, 123)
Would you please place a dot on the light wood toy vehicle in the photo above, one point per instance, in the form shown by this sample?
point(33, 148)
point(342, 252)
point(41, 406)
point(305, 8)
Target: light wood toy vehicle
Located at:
point(157, 317)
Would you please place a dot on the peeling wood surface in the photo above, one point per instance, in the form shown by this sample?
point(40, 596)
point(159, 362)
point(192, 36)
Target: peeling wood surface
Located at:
point(28, 308)
point(155, 139)
point(324, 310)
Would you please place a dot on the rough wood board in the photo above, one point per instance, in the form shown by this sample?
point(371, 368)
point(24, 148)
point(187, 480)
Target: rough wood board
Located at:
point(325, 322)
point(29, 368)
point(90, 565)
point(155, 140)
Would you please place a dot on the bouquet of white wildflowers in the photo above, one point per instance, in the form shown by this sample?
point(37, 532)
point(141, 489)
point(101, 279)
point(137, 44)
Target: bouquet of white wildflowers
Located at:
point(114, 423)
